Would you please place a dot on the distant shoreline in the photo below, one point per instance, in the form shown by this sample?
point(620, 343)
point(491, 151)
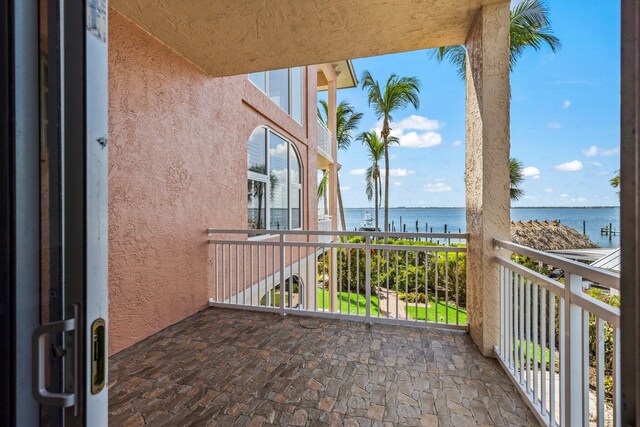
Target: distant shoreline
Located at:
point(514, 207)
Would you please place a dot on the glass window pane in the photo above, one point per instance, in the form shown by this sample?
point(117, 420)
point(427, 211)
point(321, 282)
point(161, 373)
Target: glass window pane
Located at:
point(260, 80)
point(296, 196)
point(294, 166)
point(257, 151)
point(278, 148)
point(279, 88)
point(296, 94)
point(257, 205)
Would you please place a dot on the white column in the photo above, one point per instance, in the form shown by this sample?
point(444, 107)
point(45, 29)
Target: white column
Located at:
point(487, 167)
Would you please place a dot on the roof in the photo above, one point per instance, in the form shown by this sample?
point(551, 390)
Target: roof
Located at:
point(547, 236)
point(609, 262)
point(345, 76)
point(231, 37)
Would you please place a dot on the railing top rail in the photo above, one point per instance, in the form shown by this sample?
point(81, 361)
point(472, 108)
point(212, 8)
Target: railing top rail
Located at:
point(399, 235)
point(332, 245)
point(323, 126)
point(598, 275)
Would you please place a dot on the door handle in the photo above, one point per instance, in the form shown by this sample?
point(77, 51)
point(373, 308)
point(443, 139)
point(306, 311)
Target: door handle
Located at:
point(39, 390)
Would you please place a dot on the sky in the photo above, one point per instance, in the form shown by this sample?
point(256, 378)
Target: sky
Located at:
point(564, 119)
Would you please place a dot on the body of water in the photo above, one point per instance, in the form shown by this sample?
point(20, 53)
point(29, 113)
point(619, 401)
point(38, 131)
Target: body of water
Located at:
point(455, 219)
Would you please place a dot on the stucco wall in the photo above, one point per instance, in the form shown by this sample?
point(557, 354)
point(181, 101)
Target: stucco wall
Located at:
point(177, 164)
point(487, 168)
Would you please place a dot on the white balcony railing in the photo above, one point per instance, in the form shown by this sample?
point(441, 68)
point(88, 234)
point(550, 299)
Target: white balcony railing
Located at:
point(324, 224)
point(560, 345)
point(324, 139)
point(363, 278)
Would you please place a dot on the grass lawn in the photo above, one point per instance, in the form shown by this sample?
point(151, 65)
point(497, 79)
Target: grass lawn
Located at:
point(349, 304)
point(431, 313)
point(356, 304)
point(531, 353)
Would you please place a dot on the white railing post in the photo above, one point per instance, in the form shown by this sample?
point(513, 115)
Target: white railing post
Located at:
point(573, 374)
point(367, 247)
point(282, 267)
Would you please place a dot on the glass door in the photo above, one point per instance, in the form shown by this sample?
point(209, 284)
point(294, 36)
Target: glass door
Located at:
point(53, 189)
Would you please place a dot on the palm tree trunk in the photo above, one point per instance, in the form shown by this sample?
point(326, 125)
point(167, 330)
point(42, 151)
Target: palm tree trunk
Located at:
point(386, 184)
point(340, 207)
point(376, 203)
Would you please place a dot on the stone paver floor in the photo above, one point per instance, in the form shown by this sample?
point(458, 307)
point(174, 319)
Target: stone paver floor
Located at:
point(229, 367)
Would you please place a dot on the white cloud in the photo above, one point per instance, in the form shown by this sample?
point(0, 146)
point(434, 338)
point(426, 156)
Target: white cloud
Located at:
point(438, 187)
point(580, 199)
point(357, 171)
point(596, 164)
point(596, 151)
point(415, 131)
point(417, 122)
point(564, 195)
point(457, 143)
point(572, 166)
point(397, 183)
point(531, 171)
point(419, 140)
point(566, 104)
point(345, 188)
point(396, 172)
point(554, 125)
point(393, 156)
point(548, 190)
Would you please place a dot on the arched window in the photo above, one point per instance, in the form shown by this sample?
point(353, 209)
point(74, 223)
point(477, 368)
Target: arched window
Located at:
point(274, 182)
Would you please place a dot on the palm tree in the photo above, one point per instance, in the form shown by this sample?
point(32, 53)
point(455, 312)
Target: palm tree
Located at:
point(615, 182)
point(347, 120)
point(529, 27)
point(397, 94)
point(516, 177)
point(375, 152)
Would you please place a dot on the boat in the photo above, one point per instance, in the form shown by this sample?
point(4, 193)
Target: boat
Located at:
point(367, 223)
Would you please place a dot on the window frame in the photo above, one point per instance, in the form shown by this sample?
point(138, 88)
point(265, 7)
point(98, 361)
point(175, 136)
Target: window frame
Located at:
point(290, 94)
point(297, 186)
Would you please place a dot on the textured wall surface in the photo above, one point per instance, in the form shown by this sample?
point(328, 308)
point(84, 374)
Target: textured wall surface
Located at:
point(487, 167)
point(177, 164)
point(226, 37)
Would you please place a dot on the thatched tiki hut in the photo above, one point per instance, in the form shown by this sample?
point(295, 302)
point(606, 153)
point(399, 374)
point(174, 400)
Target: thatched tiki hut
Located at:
point(548, 236)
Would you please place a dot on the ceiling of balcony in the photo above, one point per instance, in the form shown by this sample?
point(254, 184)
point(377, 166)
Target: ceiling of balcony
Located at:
point(228, 37)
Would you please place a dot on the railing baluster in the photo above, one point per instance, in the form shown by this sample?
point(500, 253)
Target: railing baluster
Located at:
point(349, 280)
point(416, 293)
point(536, 343)
point(237, 275)
point(617, 396)
point(446, 286)
point(544, 350)
point(251, 275)
point(426, 285)
point(552, 356)
point(378, 281)
point(339, 258)
point(273, 275)
point(215, 248)
point(357, 281)
point(397, 286)
point(584, 351)
point(521, 336)
point(527, 285)
point(600, 365)
point(406, 285)
point(458, 288)
point(223, 275)
point(435, 286)
point(387, 264)
point(367, 266)
point(244, 275)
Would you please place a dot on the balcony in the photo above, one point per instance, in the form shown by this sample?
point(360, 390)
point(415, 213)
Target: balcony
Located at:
point(373, 328)
point(324, 224)
point(324, 142)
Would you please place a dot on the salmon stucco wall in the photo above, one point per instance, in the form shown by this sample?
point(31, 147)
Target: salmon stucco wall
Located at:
point(177, 165)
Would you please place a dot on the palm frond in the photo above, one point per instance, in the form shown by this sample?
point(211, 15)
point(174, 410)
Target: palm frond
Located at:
point(516, 177)
point(322, 185)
